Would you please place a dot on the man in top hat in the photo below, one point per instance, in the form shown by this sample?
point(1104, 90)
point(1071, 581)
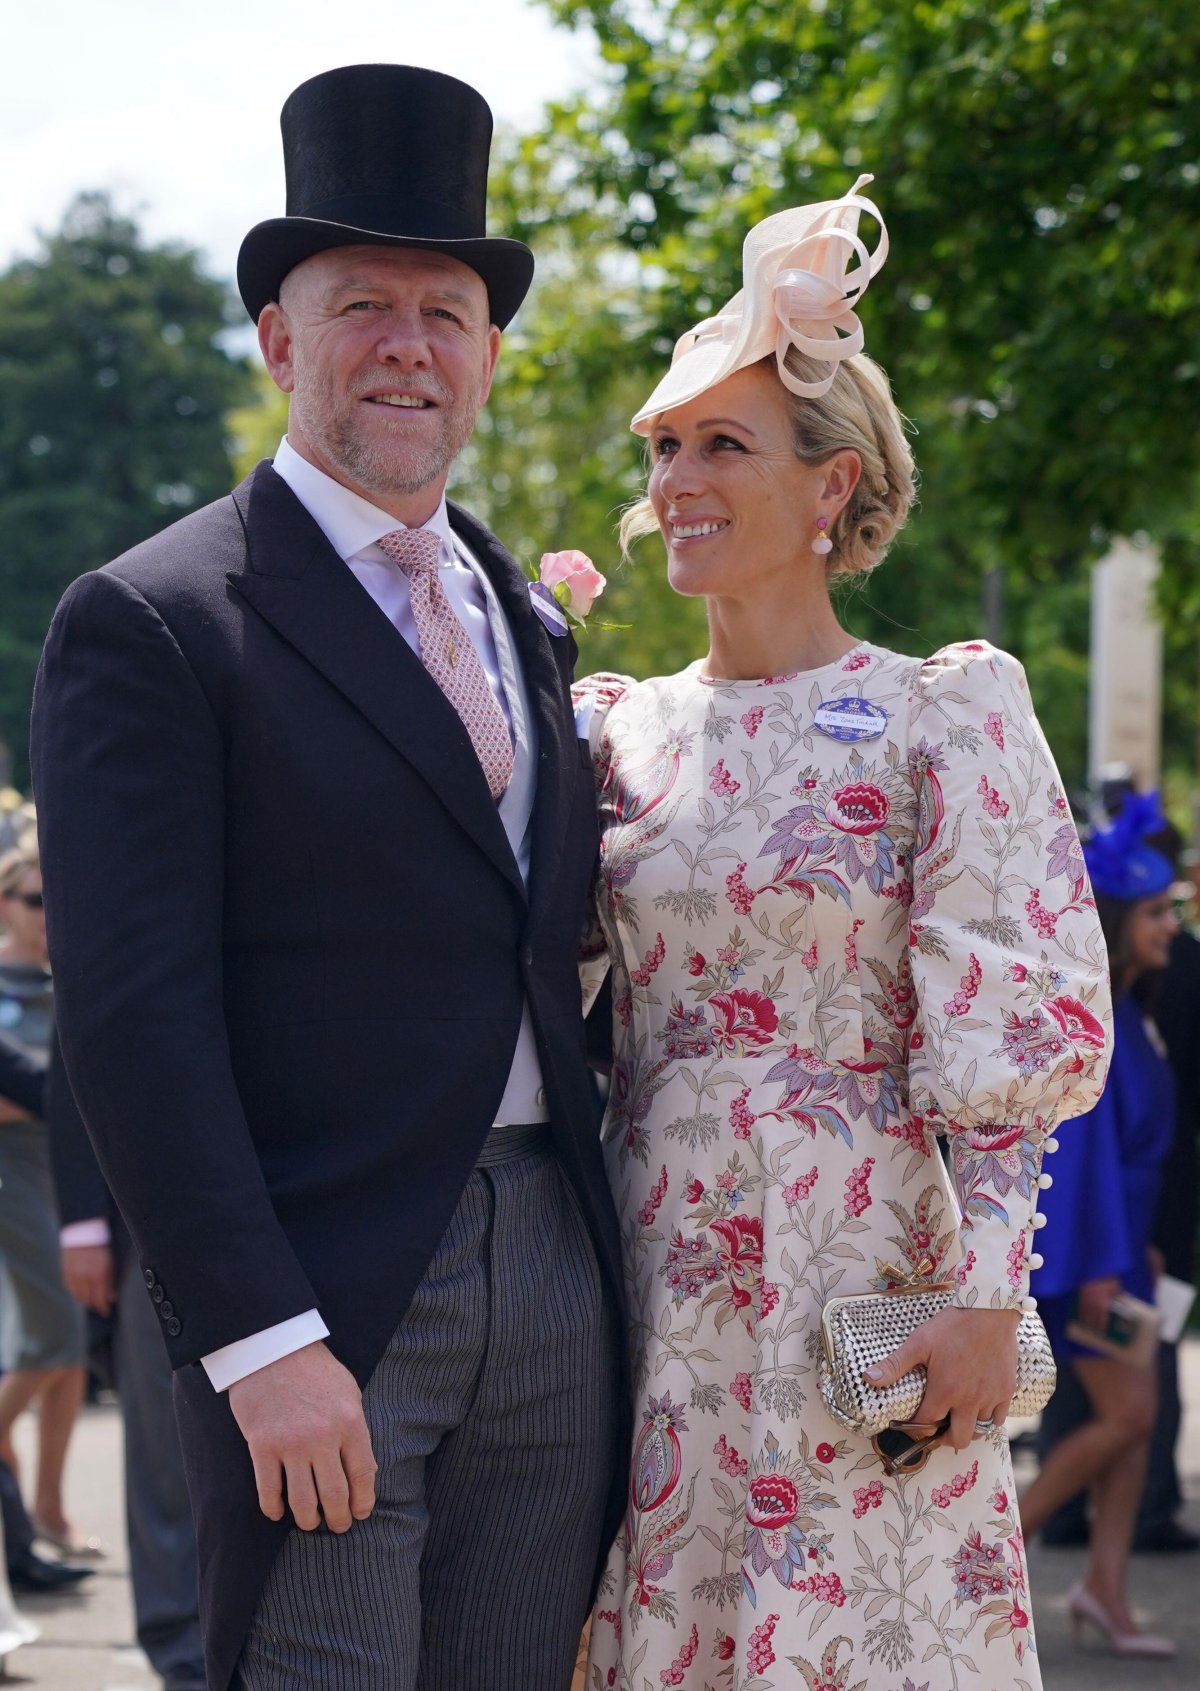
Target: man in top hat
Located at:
point(317, 836)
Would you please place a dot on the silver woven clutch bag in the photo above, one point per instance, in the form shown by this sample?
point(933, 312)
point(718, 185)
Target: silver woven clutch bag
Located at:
point(861, 1330)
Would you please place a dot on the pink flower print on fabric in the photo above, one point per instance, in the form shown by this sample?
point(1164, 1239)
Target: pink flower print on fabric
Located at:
point(826, 1588)
point(728, 1459)
point(721, 782)
point(448, 654)
point(858, 1198)
point(959, 1486)
point(658, 1192)
point(741, 1117)
point(993, 727)
point(652, 960)
point(867, 1497)
point(737, 892)
point(801, 1187)
point(993, 805)
point(1016, 1260)
point(979, 1570)
point(674, 1675)
point(759, 1653)
point(968, 986)
point(1043, 922)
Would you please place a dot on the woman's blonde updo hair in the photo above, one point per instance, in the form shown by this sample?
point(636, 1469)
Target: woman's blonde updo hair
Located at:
point(857, 414)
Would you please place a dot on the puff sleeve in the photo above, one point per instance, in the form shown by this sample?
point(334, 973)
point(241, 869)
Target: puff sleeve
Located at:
point(1014, 1030)
point(593, 697)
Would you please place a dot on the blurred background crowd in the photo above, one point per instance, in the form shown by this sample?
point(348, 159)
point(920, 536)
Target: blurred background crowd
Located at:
point(1039, 163)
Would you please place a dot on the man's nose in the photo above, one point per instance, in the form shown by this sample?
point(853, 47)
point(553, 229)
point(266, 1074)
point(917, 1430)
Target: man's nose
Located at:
point(404, 341)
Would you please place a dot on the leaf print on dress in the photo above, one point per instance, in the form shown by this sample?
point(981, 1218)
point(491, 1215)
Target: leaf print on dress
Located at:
point(830, 1676)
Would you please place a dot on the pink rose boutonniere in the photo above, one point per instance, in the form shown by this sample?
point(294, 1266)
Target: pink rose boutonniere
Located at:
point(564, 589)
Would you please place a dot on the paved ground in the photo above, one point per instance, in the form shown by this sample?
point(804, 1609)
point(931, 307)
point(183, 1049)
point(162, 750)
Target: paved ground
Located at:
point(85, 1643)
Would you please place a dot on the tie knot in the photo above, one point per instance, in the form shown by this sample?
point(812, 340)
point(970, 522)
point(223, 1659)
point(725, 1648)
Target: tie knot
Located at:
point(412, 549)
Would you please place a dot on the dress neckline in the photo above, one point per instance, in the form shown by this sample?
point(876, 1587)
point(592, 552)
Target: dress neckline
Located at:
point(864, 649)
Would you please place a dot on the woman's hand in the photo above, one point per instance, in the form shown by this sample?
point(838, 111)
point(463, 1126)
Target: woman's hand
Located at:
point(1095, 1299)
point(970, 1360)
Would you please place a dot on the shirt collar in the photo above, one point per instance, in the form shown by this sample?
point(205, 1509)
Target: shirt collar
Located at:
point(350, 523)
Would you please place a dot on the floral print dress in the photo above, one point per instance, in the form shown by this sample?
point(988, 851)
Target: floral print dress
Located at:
point(847, 915)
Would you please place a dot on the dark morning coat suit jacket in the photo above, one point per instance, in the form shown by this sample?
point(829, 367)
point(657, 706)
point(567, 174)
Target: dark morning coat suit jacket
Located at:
point(80, 1188)
point(291, 946)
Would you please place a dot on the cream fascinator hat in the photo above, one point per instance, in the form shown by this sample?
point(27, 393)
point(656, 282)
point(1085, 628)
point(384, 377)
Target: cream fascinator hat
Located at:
point(796, 292)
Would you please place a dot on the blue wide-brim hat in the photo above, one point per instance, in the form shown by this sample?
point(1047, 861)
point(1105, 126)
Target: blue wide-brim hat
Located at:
point(1119, 862)
point(390, 156)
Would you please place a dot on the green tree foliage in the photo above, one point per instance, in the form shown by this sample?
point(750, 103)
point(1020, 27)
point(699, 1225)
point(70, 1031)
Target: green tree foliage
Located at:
point(1038, 163)
point(256, 428)
point(113, 395)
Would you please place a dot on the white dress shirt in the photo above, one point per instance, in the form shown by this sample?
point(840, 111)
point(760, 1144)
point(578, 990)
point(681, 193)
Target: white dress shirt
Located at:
point(353, 527)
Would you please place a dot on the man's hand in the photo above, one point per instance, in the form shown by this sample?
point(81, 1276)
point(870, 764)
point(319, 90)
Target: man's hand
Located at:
point(302, 1418)
point(89, 1276)
point(970, 1359)
point(12, 1112)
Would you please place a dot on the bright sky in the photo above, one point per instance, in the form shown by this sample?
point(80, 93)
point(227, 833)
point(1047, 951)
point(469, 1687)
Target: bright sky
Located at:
point(176, 107)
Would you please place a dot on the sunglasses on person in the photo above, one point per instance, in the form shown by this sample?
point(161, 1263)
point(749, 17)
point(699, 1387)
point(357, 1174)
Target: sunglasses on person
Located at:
point(906, 1446)
point(31, 900)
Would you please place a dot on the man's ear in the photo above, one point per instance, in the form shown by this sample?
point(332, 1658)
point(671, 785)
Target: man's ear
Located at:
point(275, 344)
point(492, 357)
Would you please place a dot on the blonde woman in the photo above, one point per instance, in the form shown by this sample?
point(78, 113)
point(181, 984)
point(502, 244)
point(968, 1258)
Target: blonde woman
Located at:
point(842, 898)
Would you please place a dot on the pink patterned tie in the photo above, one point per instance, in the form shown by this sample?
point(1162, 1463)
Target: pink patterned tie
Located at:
point(449, 656)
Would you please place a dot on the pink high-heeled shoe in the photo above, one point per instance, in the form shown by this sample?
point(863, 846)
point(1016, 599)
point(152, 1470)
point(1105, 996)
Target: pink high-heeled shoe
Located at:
point(1083, 1609)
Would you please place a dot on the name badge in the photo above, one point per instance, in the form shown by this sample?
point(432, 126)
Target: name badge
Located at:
point(851, 719)
point(547, 608)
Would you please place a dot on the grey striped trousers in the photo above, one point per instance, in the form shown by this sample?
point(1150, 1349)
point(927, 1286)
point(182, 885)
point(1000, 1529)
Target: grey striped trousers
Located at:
point(493, 1416)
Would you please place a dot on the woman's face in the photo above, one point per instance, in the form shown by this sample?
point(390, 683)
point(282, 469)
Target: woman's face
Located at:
point(1152, 925)
point(23, 919)
point(736, 507)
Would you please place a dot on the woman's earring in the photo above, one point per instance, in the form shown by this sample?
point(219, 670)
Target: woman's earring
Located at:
point(822, 543)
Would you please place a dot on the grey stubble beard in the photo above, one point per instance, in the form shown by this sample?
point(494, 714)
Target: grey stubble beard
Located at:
point(401, 469)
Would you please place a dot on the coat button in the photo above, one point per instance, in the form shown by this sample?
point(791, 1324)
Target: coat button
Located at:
point(158, 1294)
point(527, 957)
point(150, 1278)
point(174, 1326)
point(167, 1310)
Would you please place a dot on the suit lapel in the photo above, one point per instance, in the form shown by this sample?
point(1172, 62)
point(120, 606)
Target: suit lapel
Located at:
point(546, 661)
point(298, 584)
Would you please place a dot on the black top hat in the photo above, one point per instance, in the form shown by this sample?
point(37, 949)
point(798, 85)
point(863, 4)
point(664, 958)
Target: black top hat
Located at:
point(384, 155)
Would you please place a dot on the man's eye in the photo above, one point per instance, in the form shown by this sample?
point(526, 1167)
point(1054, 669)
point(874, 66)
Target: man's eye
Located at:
point(361, 305)
point(442, 311)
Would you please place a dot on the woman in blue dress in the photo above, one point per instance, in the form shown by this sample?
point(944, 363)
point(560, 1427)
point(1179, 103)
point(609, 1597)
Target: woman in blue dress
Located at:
point(1099, 1216)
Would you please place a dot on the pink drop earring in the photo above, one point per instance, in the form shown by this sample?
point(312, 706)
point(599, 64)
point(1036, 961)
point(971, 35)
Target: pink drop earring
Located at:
point(822, 544)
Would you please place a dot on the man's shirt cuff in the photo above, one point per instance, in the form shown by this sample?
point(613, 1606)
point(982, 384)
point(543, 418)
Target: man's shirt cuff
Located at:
point(77, 1233)
point(225, 1367)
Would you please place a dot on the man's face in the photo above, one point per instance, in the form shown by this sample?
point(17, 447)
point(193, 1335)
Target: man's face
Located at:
point(388, 354)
